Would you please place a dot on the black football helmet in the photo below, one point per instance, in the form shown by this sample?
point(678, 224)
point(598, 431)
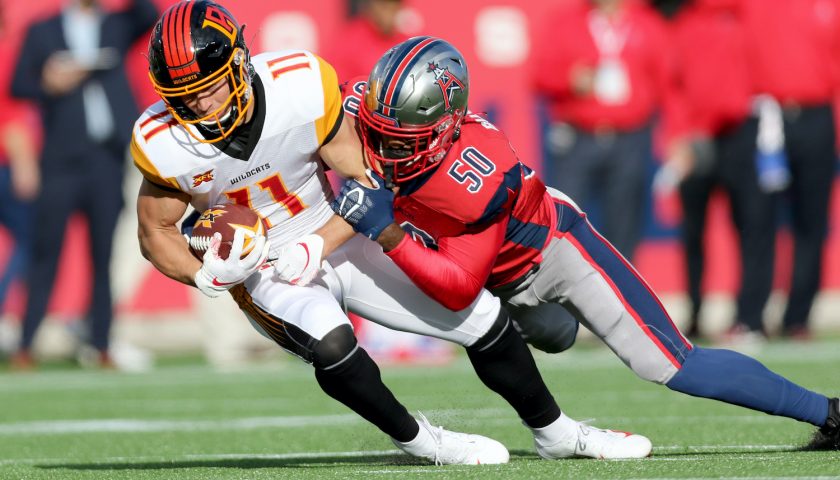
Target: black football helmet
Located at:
point(193, 46)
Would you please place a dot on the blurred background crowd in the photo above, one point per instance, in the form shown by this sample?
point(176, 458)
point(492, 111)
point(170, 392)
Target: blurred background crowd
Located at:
point(699, 135)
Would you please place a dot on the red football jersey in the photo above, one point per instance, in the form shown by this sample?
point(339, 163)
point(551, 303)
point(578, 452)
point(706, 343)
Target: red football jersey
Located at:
point(481, 218)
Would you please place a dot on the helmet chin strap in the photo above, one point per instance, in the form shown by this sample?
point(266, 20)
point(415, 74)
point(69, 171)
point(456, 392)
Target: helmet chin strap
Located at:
point(388, 171)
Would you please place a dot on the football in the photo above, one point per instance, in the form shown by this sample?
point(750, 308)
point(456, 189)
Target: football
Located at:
point(226, 219)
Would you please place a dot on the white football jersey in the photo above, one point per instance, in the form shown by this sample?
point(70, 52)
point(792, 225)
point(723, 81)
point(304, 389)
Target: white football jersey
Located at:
point(283, 179)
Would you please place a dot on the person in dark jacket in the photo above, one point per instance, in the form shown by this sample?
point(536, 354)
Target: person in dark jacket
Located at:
point(71, 66)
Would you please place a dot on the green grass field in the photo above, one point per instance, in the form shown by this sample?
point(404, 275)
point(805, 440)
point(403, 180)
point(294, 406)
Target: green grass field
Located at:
point(187, 421)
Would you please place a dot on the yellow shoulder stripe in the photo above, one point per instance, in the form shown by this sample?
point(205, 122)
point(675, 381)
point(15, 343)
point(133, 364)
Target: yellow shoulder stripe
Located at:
point(141, 161)
point(332, 100)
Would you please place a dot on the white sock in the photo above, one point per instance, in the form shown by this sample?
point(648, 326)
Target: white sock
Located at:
point(564, 429)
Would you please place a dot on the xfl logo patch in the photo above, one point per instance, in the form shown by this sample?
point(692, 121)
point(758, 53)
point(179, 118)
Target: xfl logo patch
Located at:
point(202, 178)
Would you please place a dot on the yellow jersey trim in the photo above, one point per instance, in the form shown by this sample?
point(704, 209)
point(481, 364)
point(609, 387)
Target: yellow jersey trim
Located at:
point(142, 162)
point(332, 101)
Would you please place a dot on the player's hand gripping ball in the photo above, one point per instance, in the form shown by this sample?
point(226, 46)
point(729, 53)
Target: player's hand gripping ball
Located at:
point(225, 220)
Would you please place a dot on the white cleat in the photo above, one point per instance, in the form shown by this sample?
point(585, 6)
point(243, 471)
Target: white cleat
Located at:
point(597, 443)
point(452, 448)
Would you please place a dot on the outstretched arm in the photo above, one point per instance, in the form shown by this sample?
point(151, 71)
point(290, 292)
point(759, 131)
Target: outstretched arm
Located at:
point(300, 261)
point(455, 273)
point(161, 242)
point(344, 155)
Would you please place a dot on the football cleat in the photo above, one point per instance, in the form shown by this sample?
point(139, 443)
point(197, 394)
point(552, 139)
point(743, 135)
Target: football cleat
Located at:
point(597, 443)
point(828, 436)
point(22, 361)
point(453, 448)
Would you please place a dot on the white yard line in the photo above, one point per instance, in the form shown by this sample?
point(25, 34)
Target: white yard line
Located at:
point(436, 470)
point(207, 456)
point(489, 416)
point(381, 453)
point(57, 427)
point(722, 448)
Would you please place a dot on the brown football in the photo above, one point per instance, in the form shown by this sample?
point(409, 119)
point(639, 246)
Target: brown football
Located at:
point(226, 219)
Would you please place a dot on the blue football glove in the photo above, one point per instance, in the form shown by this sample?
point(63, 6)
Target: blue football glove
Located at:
point(368, 210)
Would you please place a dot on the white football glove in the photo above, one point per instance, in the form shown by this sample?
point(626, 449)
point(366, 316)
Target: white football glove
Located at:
point(218, 275)
point(299, 262)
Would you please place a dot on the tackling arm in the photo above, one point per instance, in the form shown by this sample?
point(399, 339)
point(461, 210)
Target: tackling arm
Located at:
point(300, 261)
point(454, 274)
point(343, 154)
point(161, 242)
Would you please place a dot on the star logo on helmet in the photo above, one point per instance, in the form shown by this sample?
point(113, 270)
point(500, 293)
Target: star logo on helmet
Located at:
point(448, 83)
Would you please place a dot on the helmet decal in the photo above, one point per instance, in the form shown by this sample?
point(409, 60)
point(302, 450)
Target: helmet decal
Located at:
point(386, 119)
point(218, 19)
point(177, 43)
point(390, 91)
point(447, 82)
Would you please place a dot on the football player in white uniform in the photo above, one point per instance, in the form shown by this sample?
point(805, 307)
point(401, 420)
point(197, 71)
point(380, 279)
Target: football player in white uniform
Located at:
point(256, 132)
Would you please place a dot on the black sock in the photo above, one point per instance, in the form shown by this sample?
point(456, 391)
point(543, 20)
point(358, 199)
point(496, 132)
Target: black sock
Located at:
point(356, 382)
point(503, 362)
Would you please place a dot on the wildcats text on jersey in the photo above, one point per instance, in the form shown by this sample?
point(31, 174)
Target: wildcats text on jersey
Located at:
point(250, 173)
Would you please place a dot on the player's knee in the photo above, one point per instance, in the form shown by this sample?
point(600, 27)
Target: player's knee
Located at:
point(335, 347)
point(550, 337)
point(499, 326)
point(657, 368)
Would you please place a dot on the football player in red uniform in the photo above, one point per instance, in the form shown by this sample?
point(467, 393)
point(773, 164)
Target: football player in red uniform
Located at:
point(457, 211)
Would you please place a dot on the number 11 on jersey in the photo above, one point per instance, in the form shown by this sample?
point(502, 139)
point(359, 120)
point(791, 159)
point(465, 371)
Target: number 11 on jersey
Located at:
point(276, 188)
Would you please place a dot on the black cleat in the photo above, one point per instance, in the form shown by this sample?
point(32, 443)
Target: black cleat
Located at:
point(828, 436)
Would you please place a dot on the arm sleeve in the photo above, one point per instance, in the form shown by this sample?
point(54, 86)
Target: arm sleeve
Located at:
point(26, 79)
point(676, 122)
point(454, 274)
point(551, 63)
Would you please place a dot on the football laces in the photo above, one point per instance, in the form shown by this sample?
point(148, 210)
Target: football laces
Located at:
point(200, 244)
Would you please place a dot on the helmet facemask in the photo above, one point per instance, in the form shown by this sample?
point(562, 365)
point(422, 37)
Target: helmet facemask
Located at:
point(405, 152)
point(221, 122)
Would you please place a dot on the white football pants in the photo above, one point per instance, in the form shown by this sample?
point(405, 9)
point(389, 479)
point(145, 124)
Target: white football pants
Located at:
point(358, 277)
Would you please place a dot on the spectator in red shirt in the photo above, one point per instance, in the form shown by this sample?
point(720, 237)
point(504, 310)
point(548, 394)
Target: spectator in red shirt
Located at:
point(713, 144)
point(794, 53)
point(603, 78)
point(364, 38)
